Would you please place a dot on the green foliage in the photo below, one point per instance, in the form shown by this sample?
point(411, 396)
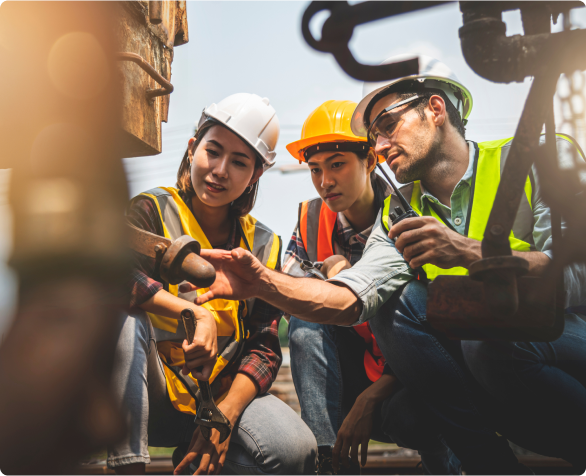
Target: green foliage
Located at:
point(283, 333)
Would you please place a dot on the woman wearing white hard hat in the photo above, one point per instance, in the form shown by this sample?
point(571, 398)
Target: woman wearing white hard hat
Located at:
point(236, 345)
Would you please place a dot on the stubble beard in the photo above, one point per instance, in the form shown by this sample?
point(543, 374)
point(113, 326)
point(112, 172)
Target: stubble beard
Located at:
point(421, 161)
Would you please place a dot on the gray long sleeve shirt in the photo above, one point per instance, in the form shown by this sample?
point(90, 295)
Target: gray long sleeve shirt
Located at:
point(382, 269)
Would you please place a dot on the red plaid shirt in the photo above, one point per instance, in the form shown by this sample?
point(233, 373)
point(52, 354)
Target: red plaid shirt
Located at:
point(261, 357)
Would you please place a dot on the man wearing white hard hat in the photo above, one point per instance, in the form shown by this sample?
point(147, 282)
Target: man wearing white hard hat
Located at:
point(418, 124)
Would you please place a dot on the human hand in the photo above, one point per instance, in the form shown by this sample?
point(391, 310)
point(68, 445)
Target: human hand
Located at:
point(334, 264)
point(425, 240)
point(355, 430)
point(201, 354)
point(213, 453)
point(238, 275)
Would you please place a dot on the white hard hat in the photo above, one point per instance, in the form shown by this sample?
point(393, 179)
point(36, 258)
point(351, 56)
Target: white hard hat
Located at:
point(432, 74)
point(252, 118)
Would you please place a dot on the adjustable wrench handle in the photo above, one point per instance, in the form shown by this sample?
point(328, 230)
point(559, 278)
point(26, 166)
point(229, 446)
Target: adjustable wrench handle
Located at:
point(188, 318)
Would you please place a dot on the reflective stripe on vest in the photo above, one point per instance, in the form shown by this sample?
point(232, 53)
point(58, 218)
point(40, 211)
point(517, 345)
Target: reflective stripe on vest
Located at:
point(177, 220)
point(316, 226)
point(490, 160)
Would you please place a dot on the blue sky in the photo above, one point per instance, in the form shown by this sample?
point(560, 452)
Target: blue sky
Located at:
point(257, 47)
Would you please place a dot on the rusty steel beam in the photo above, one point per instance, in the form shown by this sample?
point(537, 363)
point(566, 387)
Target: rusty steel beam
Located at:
point(152, 72)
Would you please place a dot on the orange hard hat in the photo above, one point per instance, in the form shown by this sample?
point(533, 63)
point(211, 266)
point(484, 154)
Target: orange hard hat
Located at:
point(329, 123)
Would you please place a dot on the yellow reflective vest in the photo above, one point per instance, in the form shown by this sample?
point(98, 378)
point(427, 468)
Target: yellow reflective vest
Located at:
point(489, 161)
point(176, 220)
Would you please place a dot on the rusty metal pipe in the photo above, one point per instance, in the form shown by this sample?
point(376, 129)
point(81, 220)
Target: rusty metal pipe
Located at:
point(496, 57)
point(152, 72)
point(155, 11)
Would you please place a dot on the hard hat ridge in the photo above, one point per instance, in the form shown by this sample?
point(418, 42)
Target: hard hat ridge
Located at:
point(328, 123)
point(250, 117)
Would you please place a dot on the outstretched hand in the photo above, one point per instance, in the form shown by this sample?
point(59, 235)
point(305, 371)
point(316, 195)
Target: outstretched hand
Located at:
point(238, 275)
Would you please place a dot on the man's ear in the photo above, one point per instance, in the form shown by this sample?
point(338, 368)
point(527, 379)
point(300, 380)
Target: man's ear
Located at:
point(256, 175)
point(437, 106)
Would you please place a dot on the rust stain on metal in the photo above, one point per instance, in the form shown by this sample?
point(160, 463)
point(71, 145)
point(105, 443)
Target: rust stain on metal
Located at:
point(176, 261)
point(139, 60)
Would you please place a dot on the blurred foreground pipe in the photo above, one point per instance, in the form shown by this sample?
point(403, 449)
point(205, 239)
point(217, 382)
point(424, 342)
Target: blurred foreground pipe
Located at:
point(67, 194)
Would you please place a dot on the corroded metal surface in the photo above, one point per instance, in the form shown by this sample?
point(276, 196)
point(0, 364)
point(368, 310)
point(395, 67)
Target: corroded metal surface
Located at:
point(462, 308)
point(176, 261)
point(141, 116)
point(167, 87)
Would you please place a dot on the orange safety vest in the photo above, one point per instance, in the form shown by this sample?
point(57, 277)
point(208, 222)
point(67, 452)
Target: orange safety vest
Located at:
point(316, 226)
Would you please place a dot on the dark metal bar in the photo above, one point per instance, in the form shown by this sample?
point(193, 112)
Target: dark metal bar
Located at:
point(339, 27)
point(521, 156)
point(152, 72)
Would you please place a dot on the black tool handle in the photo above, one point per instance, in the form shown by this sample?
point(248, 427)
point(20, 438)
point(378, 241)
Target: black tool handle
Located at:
point(189, 323)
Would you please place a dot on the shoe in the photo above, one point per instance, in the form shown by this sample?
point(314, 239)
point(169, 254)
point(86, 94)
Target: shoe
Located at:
point(325, 464)
point(324, 460)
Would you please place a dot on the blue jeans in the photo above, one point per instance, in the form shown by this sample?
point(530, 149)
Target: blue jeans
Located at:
point(434, 367)
point(328, 373)
point(544, 379)
point(269, 437)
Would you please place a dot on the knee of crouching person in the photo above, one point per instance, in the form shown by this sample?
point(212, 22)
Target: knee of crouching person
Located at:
point(407, 422)
point(301, 332)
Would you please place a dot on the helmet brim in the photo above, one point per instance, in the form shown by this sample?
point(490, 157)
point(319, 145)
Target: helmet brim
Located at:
point(296, 148)
point(358, 124)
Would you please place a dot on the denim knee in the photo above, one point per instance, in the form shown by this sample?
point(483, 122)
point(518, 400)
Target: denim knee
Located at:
point(302, 332)
point(408, 303)
point(408, 422)
point(491, 364)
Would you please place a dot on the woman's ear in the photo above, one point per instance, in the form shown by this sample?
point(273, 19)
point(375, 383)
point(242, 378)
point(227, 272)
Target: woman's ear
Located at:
point(256, 175)
point(372, 160)
point(190, 150)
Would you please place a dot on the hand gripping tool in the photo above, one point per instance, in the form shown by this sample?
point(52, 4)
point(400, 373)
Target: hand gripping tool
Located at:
point(208, 415)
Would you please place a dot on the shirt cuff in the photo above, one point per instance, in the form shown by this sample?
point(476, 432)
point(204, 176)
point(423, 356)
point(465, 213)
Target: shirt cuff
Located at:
point(366, 289)
point(258, 371)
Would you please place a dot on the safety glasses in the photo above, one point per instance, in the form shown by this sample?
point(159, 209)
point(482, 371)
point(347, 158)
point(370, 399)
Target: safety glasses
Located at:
point(384, 124)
